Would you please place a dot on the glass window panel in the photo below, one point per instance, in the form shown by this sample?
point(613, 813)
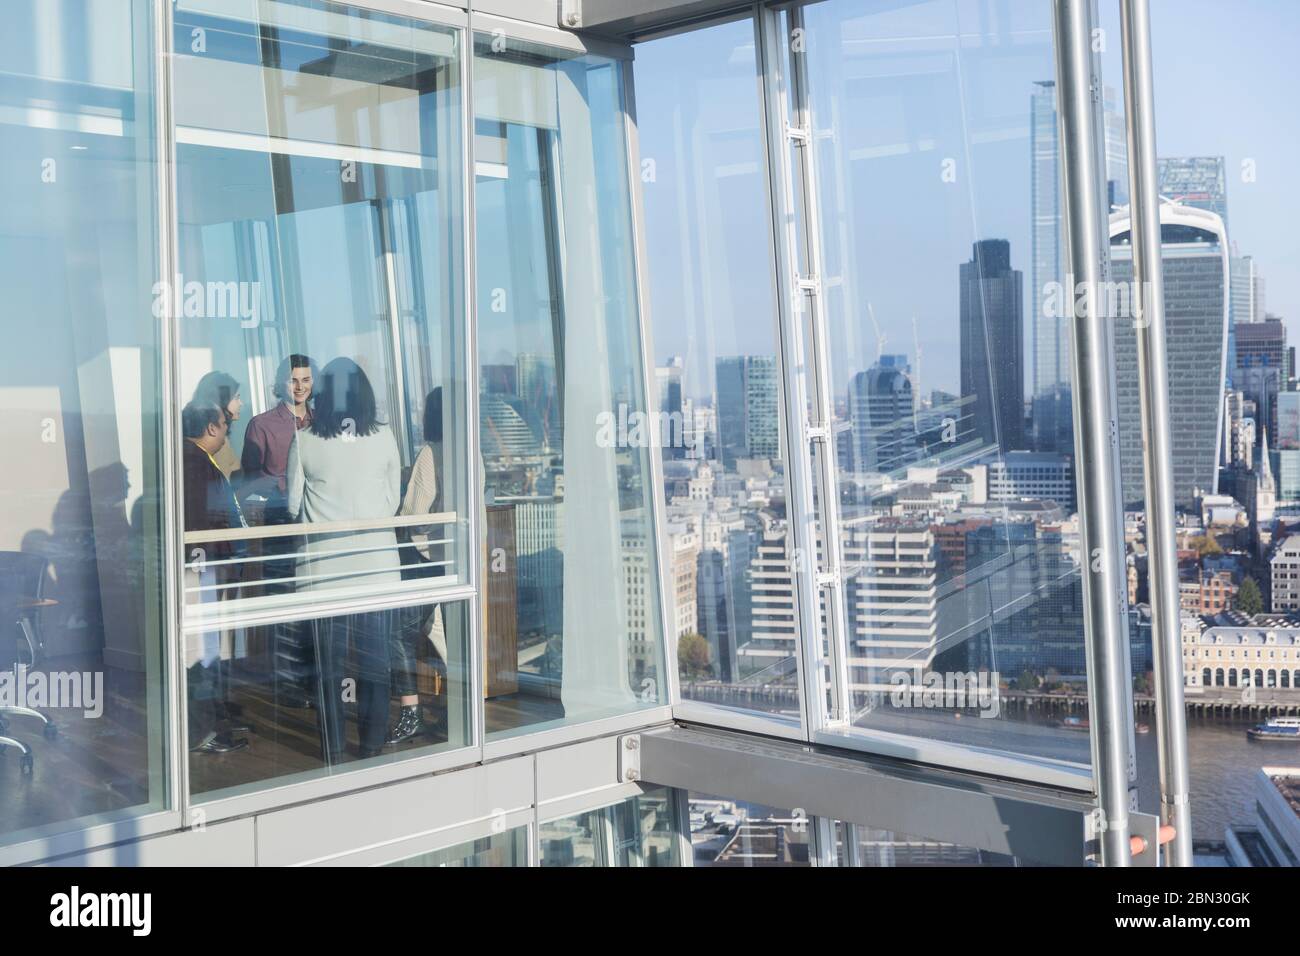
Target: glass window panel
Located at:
point(939, 198)
point(636, 832)
point(886, 848)
point(500, 849)
point(727, 832)
point(716, 375)
point(319, 297)
point(572, 625)
point(382, 686)
point(80, 510)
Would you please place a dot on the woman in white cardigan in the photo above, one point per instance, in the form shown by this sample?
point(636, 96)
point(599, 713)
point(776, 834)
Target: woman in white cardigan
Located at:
point(346, 467)
point(422, 559)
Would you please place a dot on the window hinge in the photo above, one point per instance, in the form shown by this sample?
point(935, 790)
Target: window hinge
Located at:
point(797, 134)
point(820, 433)
point(828, 579)
point(810, 285)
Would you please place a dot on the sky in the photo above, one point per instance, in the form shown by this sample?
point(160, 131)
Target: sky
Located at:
point(905, 100)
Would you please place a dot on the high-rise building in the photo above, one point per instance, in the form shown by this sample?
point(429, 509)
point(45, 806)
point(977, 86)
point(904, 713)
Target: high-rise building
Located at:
point(1049, 389)
point(1247, 290)
point(1194, 250)
point(882, 416)
point(992, 344)
point(1262, 365)
point(748, 417)
point(1196, 181)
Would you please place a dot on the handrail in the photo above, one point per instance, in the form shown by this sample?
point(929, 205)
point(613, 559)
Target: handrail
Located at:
point(318, 528)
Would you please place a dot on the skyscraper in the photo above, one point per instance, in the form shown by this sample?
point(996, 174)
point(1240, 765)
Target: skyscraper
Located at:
point(1261, 365)
point(1050, 334)
point(883, 435)
point(992, 344)
point(1196, 181)
point(1194, 250)
point(748, 419)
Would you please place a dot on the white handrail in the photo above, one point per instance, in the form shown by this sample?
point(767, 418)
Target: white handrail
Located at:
point(318, 528)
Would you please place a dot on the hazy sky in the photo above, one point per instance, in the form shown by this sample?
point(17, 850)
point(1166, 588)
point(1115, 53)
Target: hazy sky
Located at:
point(909, 97)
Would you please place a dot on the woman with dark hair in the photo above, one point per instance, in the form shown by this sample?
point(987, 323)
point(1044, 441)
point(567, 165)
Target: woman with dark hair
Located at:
point(422, 559)
point(218, 388)
point(345, 467)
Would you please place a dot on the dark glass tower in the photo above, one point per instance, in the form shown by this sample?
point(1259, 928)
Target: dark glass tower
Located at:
point(992, 344)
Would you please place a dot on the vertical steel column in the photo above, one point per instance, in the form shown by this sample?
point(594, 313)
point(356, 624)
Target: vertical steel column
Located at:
point(1095, 428)
point(792, 365)
point(1149, 320)
point(830, 574)
point(805, 371)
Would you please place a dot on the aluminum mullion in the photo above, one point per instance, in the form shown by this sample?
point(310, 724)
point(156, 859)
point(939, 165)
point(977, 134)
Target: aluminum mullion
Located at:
point(476, 529)
point(802, 526)
point(832, 580)
point(1096, 431)
point(1153, 378)
point(632, 145)
point(169, 343)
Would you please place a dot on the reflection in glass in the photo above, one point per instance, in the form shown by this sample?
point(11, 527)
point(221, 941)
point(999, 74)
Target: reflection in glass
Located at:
point(320, 260)
point(571, 623)
point(320, 310)
point(714, 312)
point(958, 524)
point(637, 832)
point(80, 510)
point(871, 847)
point(365, 662)
point(728, 832)
point(500, 849)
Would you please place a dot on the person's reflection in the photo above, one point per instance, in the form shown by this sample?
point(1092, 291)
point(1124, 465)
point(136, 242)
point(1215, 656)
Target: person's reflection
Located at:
point(210, 505)
point(421, 558)
point(345, 468)
point(265, 460)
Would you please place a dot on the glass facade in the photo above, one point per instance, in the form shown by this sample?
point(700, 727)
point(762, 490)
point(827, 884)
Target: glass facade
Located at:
point(81, 501)
point(639, 831)
point(727, 546)
point(509, 848)
point(959, 603)
point(573, 629)
point(414, 409)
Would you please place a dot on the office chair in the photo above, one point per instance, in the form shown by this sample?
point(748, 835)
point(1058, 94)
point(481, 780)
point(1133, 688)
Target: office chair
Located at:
point(22, 587)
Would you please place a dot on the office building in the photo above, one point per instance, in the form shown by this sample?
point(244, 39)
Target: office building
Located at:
point(1037, 476)
point(992, 344)
point(748, 421)
point(1195, 256)
point(882, 418)
point(1049, 346)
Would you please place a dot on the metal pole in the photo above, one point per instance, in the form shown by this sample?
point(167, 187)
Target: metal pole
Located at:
point(1095, 436)
point(1153, 379)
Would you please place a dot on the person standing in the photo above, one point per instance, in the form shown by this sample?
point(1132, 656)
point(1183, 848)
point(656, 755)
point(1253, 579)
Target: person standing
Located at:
point(222, 390)
point(210, 505)
point(346, 467)
point(264, 462)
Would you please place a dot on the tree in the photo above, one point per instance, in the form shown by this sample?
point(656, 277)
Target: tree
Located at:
point(1027, 680)
point(693, 657)
point(1205, 545)
point(1249, 600)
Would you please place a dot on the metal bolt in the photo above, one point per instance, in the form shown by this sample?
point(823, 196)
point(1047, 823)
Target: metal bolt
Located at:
point(571, 18)
point(631, 743)
point(631, 775)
